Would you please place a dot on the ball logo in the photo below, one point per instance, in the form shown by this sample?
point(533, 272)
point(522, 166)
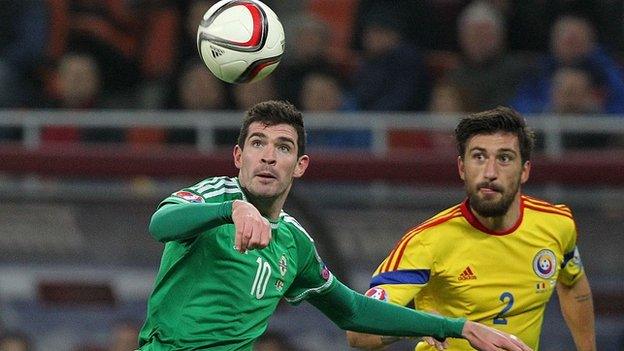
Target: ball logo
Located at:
point(545, 263)
point(377, 294)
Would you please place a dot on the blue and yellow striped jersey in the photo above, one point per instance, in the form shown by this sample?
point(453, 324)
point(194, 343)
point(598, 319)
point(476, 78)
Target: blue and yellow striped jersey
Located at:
point(455, 266)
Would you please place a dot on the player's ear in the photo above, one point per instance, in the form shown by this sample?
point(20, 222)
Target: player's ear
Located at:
point(302, 165)
point(238, 156)
point(526, 169)
point(460, 167)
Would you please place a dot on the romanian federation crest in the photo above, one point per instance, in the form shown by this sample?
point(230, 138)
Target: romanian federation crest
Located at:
point(545, 263)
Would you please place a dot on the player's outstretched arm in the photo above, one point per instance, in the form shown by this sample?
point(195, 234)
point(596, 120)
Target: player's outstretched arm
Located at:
point(577, 308)
point(356, 312)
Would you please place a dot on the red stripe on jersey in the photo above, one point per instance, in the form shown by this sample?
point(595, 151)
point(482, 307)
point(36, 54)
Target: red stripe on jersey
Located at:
point(399, 254)
point(411, 232)
point(550, 209)
point(546, 204)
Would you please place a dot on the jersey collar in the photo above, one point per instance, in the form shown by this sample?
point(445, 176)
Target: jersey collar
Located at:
point(474, 221)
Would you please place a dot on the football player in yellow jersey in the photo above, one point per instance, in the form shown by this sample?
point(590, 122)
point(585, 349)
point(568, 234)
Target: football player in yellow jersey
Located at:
point(497, 257)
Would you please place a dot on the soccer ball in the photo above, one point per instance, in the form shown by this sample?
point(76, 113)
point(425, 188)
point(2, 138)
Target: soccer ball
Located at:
point(240, 41)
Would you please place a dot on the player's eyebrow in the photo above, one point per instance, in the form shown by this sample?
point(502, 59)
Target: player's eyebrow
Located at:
point(282, 139)
point(481, 149)
point(286, 140)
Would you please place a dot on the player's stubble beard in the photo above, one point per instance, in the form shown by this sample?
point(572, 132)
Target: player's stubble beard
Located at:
point(492, 208)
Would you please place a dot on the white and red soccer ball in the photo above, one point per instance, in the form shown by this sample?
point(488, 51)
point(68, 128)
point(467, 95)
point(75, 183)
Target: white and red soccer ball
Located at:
point(240, 41)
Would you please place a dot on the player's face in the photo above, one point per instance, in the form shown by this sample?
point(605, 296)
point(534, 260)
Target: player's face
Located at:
point(268, 161)
point(492, 171)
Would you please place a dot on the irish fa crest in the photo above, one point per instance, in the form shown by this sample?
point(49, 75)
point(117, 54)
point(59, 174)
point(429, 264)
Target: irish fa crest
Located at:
point(283, 265)
point(545, 263)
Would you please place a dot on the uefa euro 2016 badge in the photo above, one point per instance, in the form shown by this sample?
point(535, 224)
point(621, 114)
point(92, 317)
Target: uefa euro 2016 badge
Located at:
point(545, 263)
point(283, 264)
point(377, 294)
point(189, 196)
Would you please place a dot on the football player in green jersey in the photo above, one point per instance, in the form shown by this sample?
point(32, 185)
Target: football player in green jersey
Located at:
point(231, 254)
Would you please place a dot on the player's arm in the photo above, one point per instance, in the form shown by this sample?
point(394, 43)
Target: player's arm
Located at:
point(577, 308)
point(181, 221)
point(353, 311)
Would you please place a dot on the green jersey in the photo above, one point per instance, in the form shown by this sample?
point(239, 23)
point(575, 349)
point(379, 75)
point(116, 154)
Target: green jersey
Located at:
point(207, 294)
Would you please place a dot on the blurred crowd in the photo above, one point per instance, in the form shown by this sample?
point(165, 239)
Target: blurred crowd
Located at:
point(440, 56)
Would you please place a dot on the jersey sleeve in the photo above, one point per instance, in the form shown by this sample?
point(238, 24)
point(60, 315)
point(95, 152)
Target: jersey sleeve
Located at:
point(313, 276)
point(211, 190)
point(571, 266)
point(405, 271)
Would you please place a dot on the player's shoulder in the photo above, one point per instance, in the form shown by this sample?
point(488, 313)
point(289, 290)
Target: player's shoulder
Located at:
point(435, 223)
point(217, 187)
point(297, 230)
point(546, 209)
point(211, 190)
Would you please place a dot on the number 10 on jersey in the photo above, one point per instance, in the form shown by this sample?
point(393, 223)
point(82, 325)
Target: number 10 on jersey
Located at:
point(263, 273)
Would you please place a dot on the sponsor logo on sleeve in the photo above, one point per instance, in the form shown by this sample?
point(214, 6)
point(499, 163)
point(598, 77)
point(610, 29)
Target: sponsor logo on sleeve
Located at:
point(189, 196)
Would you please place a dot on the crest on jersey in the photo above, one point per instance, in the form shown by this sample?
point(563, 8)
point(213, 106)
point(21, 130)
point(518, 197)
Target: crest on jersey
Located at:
point(283, 265)
point(189, 196)
point(545, 263)
point(377, 294)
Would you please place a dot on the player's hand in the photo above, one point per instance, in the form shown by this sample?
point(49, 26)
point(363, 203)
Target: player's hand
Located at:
point(252, 230)
point(484, 338)
point(439, 345)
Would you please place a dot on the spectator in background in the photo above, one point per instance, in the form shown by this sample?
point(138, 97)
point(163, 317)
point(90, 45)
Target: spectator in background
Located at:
point(77, 86)
point(487, 72)
point(323, 92)
point(573, 93)
point(447, 97)
point(392, 74)
point(307, 50)
point(196, 90)
point(23, 37)
point(15, 341)
point(447, 100)
point(573, 44)
point(133, 43)
point(417, 19)
point(248, 94)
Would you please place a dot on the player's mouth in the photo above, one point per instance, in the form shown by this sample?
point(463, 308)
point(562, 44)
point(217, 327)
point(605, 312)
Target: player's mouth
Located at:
point(489, 189)
point(267, 176)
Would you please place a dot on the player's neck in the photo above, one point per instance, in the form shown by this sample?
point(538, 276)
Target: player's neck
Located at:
point(268, 207)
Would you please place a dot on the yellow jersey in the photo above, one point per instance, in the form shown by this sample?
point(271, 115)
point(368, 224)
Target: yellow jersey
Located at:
point(453, 265)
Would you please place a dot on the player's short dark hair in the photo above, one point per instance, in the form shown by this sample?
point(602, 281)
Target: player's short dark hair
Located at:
point(271, 113)
point(500, 119)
